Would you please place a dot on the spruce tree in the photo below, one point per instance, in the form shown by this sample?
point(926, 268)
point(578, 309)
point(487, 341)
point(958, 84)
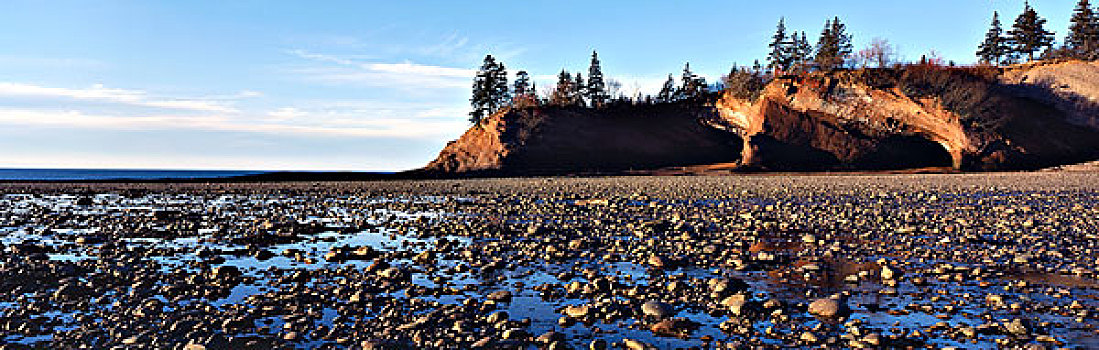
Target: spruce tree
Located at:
point(484, 100)
point(844, 48)
point(501, 92)
point(699, 86)
point(779, 58)
point(523, 94)
point(522, 84)
point(826, 47)
point(562, 94)
point(994, 49)
point(667, 93)
point(834, 46)
point(800, 50)
point(686, 83)
point(743, 83)
point(1083, 37)
point(597, 89)
point(579, 89)
point(1029, 34)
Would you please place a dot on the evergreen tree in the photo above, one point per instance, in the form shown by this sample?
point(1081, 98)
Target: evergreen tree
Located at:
point(1083, 37)
point(522, 84)
point(562, 94)
point(667, 93)
point(597, 89)
point(834, 46)
point(523, 94)
point(501, 91)
point(579, 89)
point(800, 50)
point(743, 83)
point(691, 85)
point(780, 56)
point(490, 90)
point(685, 81)
point(844, 48)
point(699, 86)
point(994, 49)
point(479, 100)
point(826, 47)
point(1029, 34)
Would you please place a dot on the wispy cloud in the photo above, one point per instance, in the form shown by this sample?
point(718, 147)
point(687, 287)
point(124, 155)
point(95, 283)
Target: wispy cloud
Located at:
point(405, 75)
point(101, 93)
point(453, 44)
point(391, 41)
point(286, 121)
point(404, 119)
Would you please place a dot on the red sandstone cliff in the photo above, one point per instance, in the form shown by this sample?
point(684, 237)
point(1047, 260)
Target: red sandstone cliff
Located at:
point(1018, 117)
point(569, 140)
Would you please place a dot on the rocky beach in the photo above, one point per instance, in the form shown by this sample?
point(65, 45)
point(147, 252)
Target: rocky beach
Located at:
point(764, 261)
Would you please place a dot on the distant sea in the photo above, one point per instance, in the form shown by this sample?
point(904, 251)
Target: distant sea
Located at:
point(116, 174)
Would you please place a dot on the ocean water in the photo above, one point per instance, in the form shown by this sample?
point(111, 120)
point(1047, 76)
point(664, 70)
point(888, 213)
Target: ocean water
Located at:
point(116, 174)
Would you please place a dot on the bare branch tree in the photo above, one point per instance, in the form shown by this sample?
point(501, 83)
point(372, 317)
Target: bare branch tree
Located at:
point(879, 53)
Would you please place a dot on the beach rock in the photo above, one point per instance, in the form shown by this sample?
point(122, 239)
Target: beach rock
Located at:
point(502, 296)
point(888, 273)
point(737, 304)
point(632, 344)
point(577, 311)
point(674, 327)
point(828, 307)
point(657, 309)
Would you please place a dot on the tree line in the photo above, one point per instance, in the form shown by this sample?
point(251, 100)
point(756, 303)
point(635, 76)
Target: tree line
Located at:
point(1028, 36)
point(491, 91)
point(790, 52)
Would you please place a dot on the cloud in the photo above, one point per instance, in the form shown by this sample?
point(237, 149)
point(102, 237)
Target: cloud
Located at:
point(350, 118)
point(405, 75)
point(99, 93)
point(287, 121)
point(419, 69)
point(451, 46)
point(286, 113)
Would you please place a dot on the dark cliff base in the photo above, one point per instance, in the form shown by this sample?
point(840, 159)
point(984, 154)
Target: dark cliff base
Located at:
point(556, 140)
point(620, 139)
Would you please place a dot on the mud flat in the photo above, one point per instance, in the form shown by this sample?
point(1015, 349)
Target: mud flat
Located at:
point(943, 261)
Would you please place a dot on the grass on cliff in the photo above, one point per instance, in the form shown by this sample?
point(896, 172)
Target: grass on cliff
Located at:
point(974, 93)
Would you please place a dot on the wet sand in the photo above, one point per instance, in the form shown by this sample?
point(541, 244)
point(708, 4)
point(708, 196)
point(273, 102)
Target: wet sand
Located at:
point(912, 260)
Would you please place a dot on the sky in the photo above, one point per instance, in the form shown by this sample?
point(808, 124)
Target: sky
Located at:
point(373, 85)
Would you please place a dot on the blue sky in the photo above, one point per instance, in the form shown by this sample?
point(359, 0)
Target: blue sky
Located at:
point(371, 85)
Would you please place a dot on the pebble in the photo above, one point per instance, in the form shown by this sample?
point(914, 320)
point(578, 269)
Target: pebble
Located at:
point(827, 307)
point(657, 309)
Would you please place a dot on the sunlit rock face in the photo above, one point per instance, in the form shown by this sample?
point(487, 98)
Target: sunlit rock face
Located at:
point(1019, 117)
point(917, 117)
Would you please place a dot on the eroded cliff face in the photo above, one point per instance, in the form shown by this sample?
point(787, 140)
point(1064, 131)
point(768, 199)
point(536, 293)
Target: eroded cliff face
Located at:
point(1071, 86)
point(569, 140)
point(1020, 117)
point(482, 148)
point(820, 122)
point(1025, 117)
